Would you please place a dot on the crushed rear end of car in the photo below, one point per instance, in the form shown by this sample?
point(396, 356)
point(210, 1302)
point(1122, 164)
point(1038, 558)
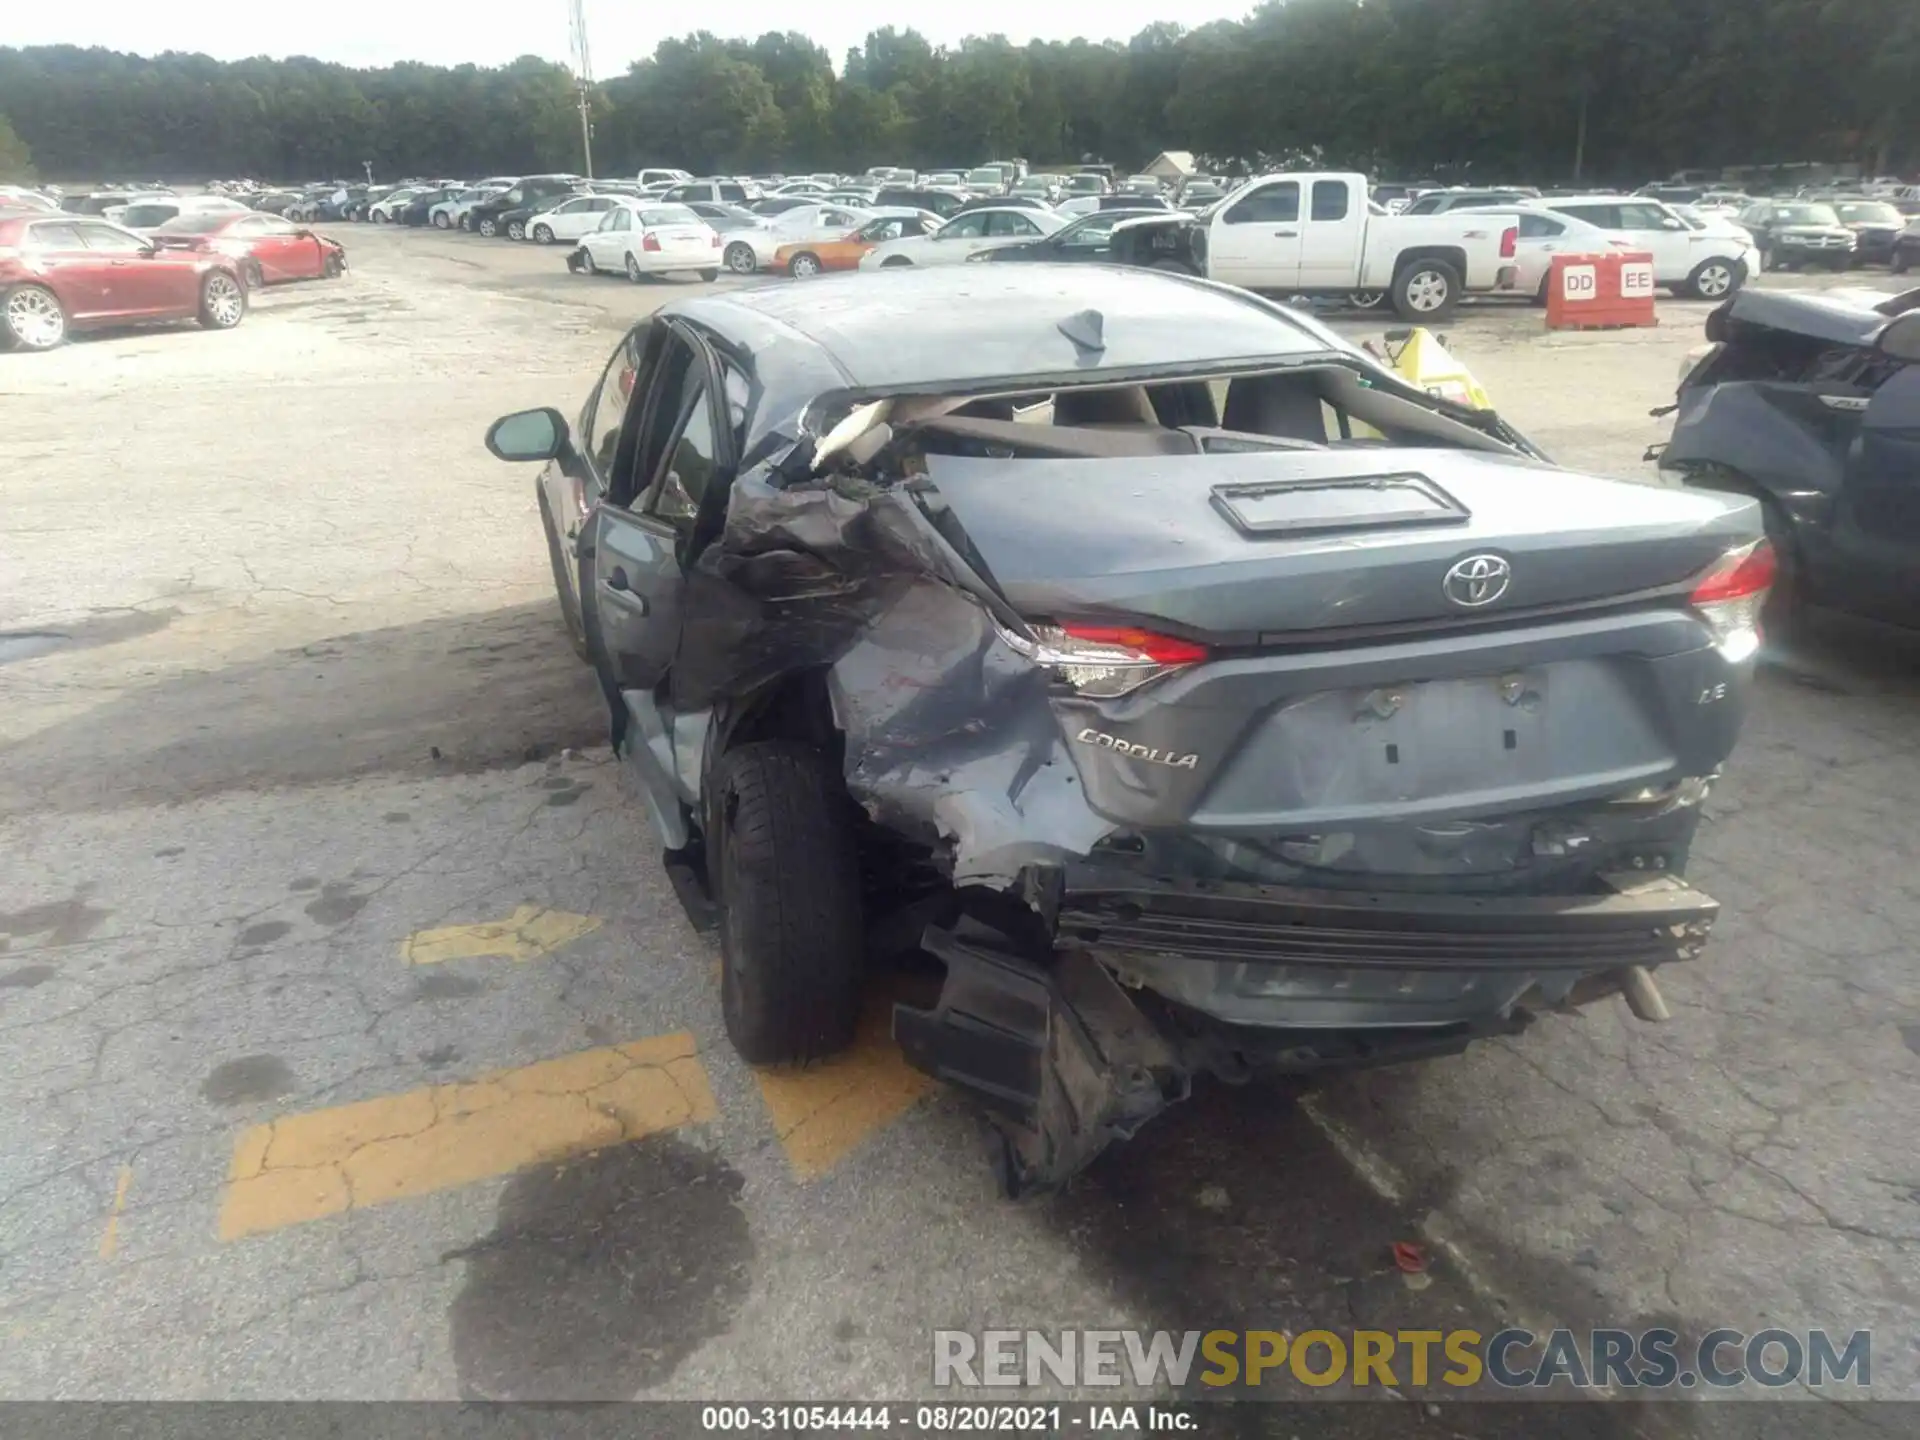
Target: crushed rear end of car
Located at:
point(1284, 723)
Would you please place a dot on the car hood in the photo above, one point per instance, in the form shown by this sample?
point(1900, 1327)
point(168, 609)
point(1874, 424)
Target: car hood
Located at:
point(1809, 232)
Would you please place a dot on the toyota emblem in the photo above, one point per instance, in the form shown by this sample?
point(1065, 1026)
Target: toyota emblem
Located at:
point(1477, 580)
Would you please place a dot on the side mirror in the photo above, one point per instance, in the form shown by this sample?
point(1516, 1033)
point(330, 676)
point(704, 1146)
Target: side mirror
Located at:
point(528, 435)
point(1901, 338)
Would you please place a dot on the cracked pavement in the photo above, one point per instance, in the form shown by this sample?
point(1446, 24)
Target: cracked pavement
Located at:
point(306, 697)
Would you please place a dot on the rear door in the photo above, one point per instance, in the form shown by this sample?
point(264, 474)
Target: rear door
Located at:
point(79, 277)
point(142, 282)
point(669, 473)
point(1332, 235)
point(284, 251)
point(1256, 241)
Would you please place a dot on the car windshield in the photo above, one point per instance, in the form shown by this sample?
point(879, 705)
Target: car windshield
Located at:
point(202, 224)
point(142, 216)
point(668, 215)
point(989, 175)
point(1803, 215)
point(1867, 212)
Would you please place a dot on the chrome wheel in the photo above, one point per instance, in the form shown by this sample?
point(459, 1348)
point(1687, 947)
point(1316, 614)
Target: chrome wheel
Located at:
point(1427, 291)
point(35, 319)
point(740, 258)
point(805, 266)
point(542, 235)
point(222, 301)
point(633, 268)
point(516, 231)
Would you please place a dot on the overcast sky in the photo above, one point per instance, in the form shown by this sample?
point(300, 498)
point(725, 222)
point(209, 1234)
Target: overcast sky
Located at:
point(491, 32)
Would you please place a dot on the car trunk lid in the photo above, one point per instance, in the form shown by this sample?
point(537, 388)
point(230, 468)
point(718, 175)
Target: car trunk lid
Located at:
point(1264, 548)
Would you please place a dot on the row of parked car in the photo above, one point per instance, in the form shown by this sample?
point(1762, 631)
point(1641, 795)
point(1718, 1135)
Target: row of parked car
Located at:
point(77, 263)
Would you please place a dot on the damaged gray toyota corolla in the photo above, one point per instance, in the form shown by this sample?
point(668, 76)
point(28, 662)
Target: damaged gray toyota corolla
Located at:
point(1201, 696)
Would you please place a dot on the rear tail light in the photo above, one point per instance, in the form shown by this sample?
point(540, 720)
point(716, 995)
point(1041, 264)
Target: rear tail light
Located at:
point(1103, 662)
point(1509, 241)
point(1730, 595)
point(649, 241)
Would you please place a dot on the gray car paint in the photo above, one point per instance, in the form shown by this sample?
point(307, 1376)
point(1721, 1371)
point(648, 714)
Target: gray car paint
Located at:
point(954, 738)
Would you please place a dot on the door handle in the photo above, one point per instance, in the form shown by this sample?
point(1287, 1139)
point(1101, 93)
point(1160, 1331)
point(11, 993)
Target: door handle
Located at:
point(1285, 234)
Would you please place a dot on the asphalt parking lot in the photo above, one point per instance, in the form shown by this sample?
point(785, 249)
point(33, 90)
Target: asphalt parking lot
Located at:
point(352, 1043)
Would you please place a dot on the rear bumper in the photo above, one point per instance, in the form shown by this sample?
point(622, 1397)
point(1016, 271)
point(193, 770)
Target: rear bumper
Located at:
point(1153, 982)
point(1277, 956)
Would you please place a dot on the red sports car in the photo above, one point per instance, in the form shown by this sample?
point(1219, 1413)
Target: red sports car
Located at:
point(268, 248)
point(62, 272)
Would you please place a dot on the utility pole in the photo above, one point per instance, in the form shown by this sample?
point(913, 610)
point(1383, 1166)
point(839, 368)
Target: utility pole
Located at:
point(583, 73)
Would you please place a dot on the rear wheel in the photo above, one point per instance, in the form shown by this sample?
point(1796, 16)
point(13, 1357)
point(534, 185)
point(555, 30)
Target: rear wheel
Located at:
point(1426, 291)
point(1899, 263)
point(489, 227)
point(441, 222)
point(804, 266)
point(634, 272)
point(542, 235)
point(791, 929)
point(31, 317)
point(709, 276)
point(223, 301)
point(1367, 299)
point(516, 229)
point(739, 258)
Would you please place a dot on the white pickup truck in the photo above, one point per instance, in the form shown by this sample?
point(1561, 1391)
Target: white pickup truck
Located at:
point(1317, 233)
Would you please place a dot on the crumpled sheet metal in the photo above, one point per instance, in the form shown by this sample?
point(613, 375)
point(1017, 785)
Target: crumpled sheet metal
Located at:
point(949, 734)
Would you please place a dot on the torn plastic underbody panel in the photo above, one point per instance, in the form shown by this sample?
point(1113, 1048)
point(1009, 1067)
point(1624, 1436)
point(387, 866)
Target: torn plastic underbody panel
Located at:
point(1284, 859)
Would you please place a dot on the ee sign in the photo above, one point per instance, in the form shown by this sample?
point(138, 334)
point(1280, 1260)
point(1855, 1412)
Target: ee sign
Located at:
point(1577, 282)
point(1636, 281)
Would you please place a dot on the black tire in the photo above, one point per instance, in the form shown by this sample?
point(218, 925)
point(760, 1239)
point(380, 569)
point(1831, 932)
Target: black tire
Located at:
point(634, 273)
point(1368, 300)
point(740, 259)
point(791, 929)
point(40, 323)
point(1898, 265)
point(516, 229)
point(542, 235)
point(332, 268)
point(223, 300)
point(709, 276)
point(1426, 292)
point(489, 227)
point(563, 584)
point(1715, 279)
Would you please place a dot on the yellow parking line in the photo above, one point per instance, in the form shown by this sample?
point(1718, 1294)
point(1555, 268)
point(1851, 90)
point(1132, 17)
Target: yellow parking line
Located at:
point(110, 1241)
point(528, 933)
point(305, 1167)
point(823, 1112)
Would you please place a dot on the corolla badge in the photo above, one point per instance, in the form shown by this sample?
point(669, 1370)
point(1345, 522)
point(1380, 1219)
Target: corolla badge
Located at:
point(1477, 580)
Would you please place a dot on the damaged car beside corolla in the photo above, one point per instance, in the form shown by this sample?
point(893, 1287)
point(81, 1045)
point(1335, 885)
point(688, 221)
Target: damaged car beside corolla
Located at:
point(1201, 696)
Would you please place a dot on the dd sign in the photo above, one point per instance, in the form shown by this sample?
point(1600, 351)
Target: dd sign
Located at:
point(1578, 282)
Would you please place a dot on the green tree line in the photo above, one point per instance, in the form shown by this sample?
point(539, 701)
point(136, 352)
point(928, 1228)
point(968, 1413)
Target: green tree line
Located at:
point(1517, 89)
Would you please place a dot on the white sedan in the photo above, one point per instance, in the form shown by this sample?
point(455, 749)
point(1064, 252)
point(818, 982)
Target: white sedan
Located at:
point(964, 235)
point(572, 219)
point(647, 237)
point(386, 210)
point(790, 227)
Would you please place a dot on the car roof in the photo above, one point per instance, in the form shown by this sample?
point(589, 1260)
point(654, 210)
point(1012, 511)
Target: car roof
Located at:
point(965, 324)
